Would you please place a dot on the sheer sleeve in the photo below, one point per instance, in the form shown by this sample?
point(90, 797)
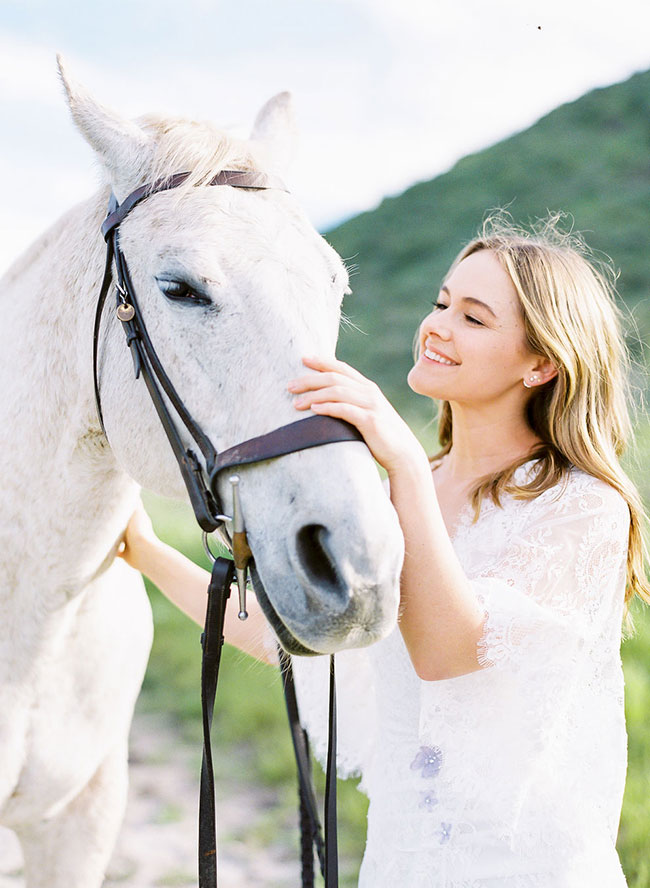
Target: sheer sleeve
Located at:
point(558, 585)
point(550, 574)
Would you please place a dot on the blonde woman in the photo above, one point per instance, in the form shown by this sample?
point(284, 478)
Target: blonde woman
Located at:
point(488, 728)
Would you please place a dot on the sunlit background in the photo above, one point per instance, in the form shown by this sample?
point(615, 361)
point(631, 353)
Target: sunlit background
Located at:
point(387, 93)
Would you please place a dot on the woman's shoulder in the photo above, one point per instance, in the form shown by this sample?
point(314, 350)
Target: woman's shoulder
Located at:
point(577, 492)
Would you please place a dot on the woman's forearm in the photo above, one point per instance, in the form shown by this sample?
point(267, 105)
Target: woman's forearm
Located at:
point(185, 584)
point(177, 577)
point(441, 620)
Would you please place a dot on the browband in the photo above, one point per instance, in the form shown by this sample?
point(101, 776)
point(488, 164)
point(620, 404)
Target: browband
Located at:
point(235, 178)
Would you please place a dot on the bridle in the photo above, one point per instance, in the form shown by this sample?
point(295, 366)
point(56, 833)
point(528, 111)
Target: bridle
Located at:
point(200, 477)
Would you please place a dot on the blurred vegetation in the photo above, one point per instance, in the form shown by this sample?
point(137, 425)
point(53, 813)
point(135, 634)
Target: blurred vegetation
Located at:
point(590, 159)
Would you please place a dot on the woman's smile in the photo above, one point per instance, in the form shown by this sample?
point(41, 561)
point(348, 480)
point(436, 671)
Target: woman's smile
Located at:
point(438, 357)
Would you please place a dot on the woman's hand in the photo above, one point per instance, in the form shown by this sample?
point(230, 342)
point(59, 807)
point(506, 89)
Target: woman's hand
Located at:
point(185, 584)
point(139, 539)
point(338, 390)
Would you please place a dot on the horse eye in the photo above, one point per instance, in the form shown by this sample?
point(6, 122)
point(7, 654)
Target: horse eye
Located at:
point(180, 291)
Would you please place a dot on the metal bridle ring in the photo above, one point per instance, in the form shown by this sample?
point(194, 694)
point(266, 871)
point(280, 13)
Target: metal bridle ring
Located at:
point(206, 546)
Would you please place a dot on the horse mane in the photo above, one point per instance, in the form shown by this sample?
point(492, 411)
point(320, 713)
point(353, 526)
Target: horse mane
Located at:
point(198, 147)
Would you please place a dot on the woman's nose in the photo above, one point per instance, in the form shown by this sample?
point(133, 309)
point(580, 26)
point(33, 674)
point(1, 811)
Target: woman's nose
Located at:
point(436, 324)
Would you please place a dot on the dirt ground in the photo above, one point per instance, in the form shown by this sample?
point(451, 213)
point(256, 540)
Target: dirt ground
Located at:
point(157, 845)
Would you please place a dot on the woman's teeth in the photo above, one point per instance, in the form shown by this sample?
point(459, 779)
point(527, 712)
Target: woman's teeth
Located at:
point(434, 356)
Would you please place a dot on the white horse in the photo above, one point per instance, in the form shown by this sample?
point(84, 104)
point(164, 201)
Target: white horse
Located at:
point(235, 287)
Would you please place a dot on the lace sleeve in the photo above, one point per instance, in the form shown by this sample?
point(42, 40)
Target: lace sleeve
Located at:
point(550, 574)
point(551, 578)
point(558, 585)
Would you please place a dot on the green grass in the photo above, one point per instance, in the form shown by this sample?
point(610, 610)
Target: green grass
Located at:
point(635, 822)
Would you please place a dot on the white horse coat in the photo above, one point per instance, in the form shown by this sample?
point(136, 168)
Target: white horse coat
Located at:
point(75, 624)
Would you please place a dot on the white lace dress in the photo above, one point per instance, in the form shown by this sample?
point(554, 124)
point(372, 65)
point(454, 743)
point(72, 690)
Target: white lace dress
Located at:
point(511, 776)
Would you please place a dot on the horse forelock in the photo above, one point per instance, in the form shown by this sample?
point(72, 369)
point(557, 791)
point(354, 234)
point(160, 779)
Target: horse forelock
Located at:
point(197, 147)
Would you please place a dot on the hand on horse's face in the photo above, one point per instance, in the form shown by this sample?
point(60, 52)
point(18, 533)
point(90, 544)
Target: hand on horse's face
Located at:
point(338, 390)
point(138, 537)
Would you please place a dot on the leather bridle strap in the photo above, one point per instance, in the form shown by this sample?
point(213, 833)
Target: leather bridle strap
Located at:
point(310, 829)
point(313, 431)
point(302, 434)
point(311, 835)
point(223, 571)
point(331, 837)
point(234, 178)
point(147, 364)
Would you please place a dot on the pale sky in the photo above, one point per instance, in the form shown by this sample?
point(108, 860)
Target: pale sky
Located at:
point(387, 92)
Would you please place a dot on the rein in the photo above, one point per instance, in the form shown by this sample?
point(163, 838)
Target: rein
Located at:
point(200, 477)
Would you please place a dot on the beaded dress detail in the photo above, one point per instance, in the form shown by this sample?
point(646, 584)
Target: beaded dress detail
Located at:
point(511, 776)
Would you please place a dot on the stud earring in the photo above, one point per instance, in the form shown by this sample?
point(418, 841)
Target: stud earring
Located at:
point(534, 379)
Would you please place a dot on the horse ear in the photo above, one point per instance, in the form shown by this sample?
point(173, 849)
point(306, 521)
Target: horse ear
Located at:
point(123, 147)
point(275, 129)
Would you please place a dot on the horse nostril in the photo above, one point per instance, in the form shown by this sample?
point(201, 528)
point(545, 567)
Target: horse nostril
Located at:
point(315, 559)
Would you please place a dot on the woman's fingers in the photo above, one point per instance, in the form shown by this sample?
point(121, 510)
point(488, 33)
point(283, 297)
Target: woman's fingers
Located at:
point(332, 374)
point(356, 416)
point(338, 393)
point(338, 390)
point(333, 364)
point(315, 381)
point(137, 530)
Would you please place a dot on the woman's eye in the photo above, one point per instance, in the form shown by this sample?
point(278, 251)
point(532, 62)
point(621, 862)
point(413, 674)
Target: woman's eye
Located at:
point(439, 305)
point(474, 321)
point(180, 291)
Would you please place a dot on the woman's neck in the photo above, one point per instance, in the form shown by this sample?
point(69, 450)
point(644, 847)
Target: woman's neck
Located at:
point(486, 441)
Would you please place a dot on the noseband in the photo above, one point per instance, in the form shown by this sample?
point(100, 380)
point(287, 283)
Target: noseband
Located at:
point(201, 480)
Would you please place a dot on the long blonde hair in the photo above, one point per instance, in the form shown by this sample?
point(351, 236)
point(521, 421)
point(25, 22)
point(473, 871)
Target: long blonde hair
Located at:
point(581, 417)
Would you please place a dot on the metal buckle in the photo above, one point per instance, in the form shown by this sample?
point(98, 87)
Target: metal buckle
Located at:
point(236, 541)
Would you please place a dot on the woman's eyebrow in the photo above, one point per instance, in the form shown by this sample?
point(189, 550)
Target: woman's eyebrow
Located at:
point(471, 299)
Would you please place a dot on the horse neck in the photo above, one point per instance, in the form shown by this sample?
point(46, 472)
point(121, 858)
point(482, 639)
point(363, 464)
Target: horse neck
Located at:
point(61, 481)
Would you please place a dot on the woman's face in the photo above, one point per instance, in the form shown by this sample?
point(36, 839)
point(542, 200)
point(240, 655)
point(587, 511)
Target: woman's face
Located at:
point(473, 344)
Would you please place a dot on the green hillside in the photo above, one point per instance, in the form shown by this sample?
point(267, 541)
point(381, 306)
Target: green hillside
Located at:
point(589, 158)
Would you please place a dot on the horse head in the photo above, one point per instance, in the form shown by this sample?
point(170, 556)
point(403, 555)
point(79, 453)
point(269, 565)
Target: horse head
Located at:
point(235, 287)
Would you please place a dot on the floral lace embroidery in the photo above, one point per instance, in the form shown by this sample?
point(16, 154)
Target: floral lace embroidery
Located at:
point(428, 760)
point(428, 800)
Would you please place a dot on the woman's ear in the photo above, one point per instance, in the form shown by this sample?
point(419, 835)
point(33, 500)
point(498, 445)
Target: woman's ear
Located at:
point(544, 370)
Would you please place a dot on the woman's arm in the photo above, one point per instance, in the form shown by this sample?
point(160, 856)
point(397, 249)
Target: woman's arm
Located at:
point(186, 585)
point(441, 619)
